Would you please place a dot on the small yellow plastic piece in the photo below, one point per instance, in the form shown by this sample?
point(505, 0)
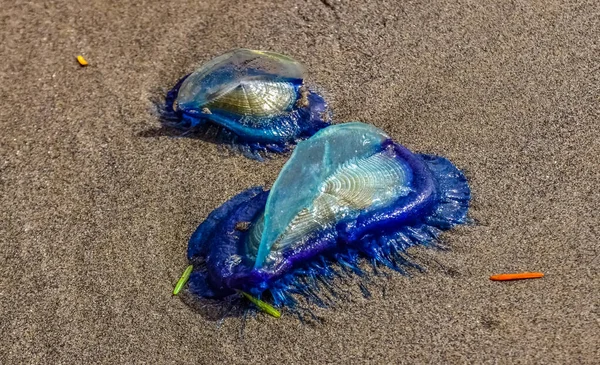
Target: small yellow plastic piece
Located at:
point(263, 306)
point(82, 60)
point(183, 279)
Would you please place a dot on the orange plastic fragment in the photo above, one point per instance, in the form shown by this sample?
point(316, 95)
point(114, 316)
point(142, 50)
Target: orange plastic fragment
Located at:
point(517, 276)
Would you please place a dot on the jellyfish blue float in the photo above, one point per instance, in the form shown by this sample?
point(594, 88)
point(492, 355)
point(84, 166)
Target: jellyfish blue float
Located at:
point(347, 194)
point(255, 100)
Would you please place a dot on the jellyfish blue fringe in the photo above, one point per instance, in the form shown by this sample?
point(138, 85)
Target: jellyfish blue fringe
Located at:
point(317, 280)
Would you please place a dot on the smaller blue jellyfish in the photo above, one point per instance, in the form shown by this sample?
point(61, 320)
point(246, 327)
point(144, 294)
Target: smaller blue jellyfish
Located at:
point(348, 193)
point(255, 100)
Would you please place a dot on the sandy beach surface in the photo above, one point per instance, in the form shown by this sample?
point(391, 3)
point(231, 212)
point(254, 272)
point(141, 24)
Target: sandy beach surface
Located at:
point(98, 202)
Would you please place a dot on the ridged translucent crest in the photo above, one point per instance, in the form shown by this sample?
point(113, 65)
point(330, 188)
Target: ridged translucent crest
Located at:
point(358, 185)
point(255, 234)
point(256, 98)
point(243, 82)
point(338, 173)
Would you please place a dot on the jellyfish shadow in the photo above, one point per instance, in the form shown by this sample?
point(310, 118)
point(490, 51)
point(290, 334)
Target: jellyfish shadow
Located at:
point(215, 310)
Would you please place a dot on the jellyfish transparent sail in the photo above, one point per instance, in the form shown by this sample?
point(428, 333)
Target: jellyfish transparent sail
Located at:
point(225, 73)
point(338, 173)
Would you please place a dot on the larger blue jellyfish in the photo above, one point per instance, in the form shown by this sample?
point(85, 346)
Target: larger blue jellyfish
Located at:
point(347, 193)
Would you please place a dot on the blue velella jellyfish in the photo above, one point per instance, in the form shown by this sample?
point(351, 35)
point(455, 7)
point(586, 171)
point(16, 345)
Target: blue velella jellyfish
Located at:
point(348, 193)
point(255, 100)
